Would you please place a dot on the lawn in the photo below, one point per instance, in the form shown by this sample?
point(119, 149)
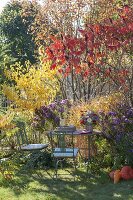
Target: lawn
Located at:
point(40, 186)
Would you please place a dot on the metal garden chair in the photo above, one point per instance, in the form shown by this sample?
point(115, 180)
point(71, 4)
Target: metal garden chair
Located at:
point(23, 143)
point(61, 148)
point(34, 149)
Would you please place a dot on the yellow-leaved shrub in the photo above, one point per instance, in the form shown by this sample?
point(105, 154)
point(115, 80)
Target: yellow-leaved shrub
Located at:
point(103, 103)
point(34, 85)
point(6, 119)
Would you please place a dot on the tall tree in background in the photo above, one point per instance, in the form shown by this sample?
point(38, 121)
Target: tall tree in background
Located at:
point(102, 52)
point(66, 17)
point(58, 17)
point(15, 32)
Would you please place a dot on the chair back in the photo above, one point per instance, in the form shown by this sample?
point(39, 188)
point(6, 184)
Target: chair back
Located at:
point(21, 135)
point(62, 142)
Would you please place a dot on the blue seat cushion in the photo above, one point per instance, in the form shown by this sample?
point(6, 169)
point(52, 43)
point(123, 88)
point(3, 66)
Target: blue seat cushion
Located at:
point(65, 152)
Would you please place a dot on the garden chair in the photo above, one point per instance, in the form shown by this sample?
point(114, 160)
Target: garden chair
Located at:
point(34, 149)
point(61, 149)
point(23, 143)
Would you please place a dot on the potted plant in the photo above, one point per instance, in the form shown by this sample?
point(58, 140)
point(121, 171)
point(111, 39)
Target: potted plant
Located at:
point(89, 120)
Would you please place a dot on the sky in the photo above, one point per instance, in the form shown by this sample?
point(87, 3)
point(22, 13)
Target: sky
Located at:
point(3, 3)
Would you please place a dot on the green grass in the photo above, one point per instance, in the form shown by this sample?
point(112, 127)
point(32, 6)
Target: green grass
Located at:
point(40, 186)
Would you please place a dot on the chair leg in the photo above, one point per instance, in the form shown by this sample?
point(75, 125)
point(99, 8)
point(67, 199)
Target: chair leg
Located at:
point(75, 167)
point(56, 167)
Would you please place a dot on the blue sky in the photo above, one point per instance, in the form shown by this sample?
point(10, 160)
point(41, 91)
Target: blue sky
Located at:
point(3, 3)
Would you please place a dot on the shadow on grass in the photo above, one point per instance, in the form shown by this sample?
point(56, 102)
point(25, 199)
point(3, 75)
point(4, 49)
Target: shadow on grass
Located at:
point(39, 184)
point(85, 186)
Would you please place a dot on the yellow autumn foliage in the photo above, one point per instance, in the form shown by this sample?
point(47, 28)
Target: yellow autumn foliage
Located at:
point(104, 103)
point(5, 120)
point(34, 85)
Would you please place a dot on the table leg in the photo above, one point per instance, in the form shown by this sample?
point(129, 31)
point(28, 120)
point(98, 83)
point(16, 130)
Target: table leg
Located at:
point(89, 152)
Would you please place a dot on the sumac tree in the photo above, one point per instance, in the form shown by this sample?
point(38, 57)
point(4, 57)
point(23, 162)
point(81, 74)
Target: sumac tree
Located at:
point(102, 51)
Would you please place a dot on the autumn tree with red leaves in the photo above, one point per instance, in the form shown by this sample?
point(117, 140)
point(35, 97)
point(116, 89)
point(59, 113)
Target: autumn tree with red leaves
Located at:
point(98, 59)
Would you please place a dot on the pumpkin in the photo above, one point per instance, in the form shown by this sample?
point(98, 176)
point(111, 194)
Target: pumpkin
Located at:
point(131, 173)
point(127, 173)
point(117, 176)
point(111, 174)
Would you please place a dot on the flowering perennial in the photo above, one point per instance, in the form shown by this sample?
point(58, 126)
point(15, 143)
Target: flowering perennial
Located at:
point(90, 118)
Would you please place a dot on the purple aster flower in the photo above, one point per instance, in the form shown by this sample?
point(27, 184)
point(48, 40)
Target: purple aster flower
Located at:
point(57, 120)
point(123, 117)
point(52, 106)
point(118, 138)
point(116, 121)
point(112, 113)
point(61, 110)
point(48, 115)
point(43, 121)
point(131, 150)
point(126, 120)
point(64, 102)
point(130, 113)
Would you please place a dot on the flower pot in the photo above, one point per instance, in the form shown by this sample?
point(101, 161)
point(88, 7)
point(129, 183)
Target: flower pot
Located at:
point(62, 122)
point(89, 127)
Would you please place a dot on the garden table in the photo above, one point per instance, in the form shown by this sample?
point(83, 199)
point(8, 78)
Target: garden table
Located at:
point(90, 135)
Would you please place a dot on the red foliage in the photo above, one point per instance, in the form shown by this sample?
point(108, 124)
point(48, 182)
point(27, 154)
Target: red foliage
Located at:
point(53, 66)
point(86, 73)
point(93, 46)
